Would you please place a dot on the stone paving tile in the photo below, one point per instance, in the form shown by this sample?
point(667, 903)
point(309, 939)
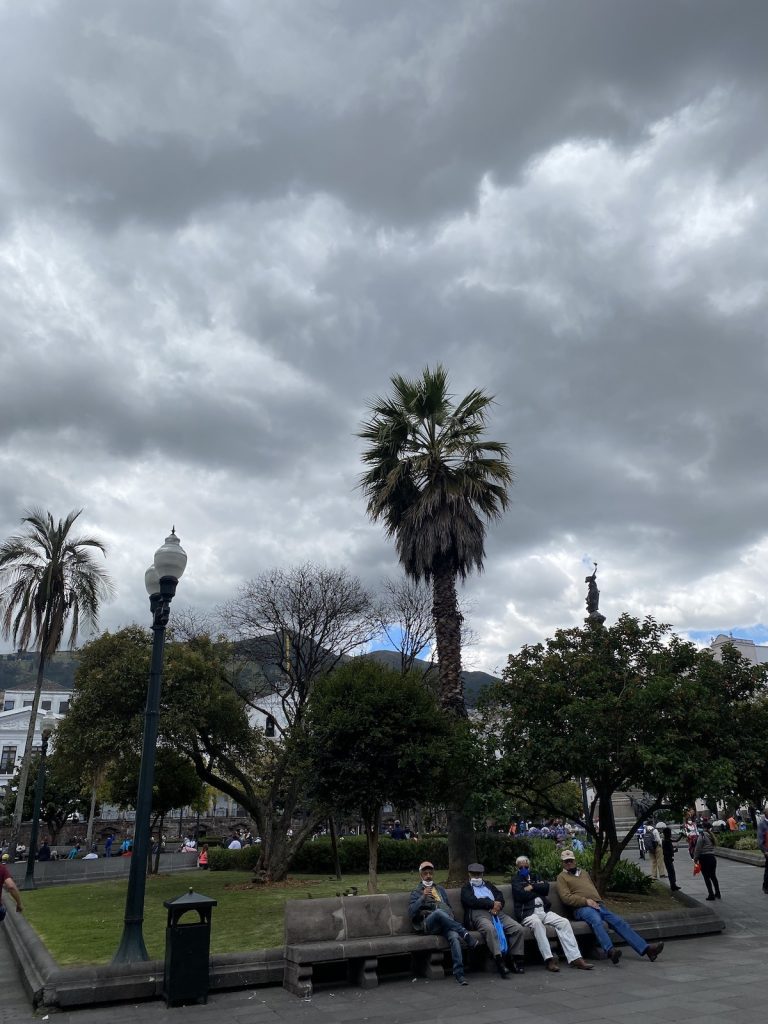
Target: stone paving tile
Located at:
point(712, 968)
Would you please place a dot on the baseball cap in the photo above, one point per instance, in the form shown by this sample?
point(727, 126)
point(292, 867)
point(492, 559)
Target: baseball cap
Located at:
point(567, 855)
point(426, 864)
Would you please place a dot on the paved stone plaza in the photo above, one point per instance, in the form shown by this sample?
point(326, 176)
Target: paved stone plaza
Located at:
point(708, 980)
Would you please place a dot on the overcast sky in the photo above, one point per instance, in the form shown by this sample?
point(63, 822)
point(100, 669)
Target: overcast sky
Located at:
point(225, 224)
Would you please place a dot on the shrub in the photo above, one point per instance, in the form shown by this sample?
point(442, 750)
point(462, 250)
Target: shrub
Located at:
point(746, 843)
point(627, 877)
point(246, 859)
point(731, 840)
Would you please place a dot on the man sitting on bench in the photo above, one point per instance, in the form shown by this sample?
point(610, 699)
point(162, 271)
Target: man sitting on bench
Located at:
point(430, 912)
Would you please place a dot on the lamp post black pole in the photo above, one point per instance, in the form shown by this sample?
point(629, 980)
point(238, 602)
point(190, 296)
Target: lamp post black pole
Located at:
point(29, 877)
point(132, 948)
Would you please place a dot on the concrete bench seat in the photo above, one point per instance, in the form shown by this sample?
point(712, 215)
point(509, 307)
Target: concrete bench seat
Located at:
point(358, 930)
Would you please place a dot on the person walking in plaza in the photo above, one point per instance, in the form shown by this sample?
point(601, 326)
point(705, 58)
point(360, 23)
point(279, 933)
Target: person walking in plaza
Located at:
point(691, 833)
point(533, 909)
point(483, 907)
point(762, 842)
point(202, 860)
point(704, 855)
point(653, 847)
point(576, 889)
point(668, 852)
point(430, 912)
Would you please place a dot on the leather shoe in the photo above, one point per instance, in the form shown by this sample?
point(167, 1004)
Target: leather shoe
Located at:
point(581, 964)
point(614, 954)
point(502, 968)
point(654, 950)
point(551, 965)
point(710, 899)
point(517, 966)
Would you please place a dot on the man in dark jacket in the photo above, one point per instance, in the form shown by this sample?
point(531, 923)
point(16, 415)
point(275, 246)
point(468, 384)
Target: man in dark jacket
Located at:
point(484, 905)
point(533, 909)
point(430, 911)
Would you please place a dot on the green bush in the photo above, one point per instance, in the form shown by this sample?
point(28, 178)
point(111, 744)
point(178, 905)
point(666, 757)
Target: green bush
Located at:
point(731, 840)
point(746, 843)
point(246, 859)
point(627, 877)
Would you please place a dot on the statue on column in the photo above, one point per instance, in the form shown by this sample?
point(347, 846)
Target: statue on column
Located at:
point(593, 598)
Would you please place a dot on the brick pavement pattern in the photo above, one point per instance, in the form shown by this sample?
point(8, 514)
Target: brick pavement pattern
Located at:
point(706, 979)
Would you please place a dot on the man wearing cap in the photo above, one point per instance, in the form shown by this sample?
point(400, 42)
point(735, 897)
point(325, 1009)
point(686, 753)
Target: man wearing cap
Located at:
point(576, 889)
point(533, 909)
point(431, 913)
point(484, 905)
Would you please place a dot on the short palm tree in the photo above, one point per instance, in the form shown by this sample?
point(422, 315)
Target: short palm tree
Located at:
point(48, 580)
point(434, 481)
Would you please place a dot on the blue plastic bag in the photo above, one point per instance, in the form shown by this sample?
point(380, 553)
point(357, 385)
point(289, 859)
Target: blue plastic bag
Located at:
point(500, 932)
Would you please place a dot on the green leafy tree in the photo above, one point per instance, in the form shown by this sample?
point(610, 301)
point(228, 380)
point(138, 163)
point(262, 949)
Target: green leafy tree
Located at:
point(630, 705)
point(48, 581)
point(435, 481)
point(176, 784)
point(373, 735)
point(61, 798)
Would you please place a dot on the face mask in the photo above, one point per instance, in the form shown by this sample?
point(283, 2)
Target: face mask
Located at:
point(426, 884)
point(525, 872)
point(476, 881)
point(572, 871)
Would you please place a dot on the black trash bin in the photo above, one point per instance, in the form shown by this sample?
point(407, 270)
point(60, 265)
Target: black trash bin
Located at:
point(187, 949)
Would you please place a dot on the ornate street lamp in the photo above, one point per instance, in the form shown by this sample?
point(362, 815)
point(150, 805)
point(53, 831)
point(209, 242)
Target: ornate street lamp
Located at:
point(160, 580)
point(46, 729)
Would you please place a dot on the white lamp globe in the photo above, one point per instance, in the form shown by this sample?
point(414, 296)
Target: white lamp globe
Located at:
point(152, 581)
point(171, 558)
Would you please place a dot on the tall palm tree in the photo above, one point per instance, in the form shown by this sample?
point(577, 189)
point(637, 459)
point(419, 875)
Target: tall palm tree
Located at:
point(48, 579)
point(435, 482)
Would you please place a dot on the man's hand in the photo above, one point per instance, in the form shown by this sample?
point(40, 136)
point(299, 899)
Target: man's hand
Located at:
point(496, 906)
point(528, 888)
point(594, 904)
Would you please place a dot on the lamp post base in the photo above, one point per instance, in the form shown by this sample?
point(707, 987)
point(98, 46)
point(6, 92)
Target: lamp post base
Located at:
point(131, 949)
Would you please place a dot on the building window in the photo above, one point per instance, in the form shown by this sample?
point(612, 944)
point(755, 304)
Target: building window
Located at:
point(63, 707)
point(269, 727)
point(27, 704)
point(8, 760)
point(45, 705)
point(9, 705)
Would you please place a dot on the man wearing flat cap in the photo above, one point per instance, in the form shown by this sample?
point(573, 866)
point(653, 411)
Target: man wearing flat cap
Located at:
point(483, 907)
point(430, 912)
point(577, 890)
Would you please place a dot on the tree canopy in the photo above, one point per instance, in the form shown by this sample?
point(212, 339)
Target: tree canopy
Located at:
point(629, 705)
point(373, 735)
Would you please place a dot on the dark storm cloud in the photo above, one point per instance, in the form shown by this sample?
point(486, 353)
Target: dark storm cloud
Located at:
point(224, 226)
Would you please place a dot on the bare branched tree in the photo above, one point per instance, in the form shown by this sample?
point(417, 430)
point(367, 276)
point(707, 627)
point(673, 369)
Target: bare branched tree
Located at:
point(405, 618)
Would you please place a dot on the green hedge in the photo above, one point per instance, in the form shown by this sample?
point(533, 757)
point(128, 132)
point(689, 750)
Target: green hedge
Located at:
point(496, 852)
point(746, 843)
point(731, 840)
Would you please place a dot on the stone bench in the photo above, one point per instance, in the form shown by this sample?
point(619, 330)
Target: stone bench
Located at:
point(359, 930)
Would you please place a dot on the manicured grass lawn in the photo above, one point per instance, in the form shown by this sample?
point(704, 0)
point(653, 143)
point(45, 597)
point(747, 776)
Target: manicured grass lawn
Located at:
point(83, 923)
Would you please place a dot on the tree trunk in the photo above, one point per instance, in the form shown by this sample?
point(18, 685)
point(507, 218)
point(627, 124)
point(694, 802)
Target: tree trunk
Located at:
point(18, 811)
point(156, 870)
point(334, 847)
point(372, 835)
point(91, 816)
point(445, 611)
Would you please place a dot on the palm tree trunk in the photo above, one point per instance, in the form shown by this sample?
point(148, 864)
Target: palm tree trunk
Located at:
point(445, 610)
point(18, 811)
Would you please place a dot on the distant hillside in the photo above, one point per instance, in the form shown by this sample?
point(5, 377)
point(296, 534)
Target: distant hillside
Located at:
point(19, 671)
point(474, 682)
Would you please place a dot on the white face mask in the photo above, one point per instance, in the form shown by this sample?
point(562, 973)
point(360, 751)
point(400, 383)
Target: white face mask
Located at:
point(476, 881)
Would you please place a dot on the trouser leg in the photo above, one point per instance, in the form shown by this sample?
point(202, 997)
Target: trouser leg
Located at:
point(765, 876)
point(540, 934)
point(439, 923)
point(565, 935)
point(595, 922)
point(483, 923)
point(708, 868)
point(670, 866)
point(515, 934)
point(620, 926)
